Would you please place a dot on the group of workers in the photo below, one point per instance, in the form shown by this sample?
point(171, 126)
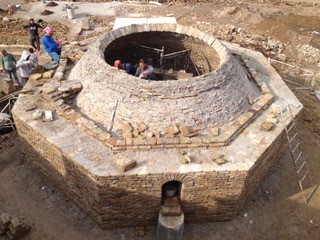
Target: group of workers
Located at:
point(143, 70)
point(52, 47)
point(29, 58)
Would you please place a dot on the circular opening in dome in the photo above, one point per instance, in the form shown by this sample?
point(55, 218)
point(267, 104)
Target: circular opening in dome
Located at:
point(172, 55)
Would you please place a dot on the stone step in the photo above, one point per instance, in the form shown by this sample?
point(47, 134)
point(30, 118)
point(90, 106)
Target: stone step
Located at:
point(171, 201)
point(171, 211)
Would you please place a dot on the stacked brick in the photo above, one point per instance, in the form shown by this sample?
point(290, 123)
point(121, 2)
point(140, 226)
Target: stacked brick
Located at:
point(13, 228)
point(217, 97)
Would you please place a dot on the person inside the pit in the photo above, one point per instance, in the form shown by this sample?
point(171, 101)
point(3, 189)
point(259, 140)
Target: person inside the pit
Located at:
point(128, 67)
point(27, 63)
point(9, 66)
point(144, 71)
point(52, 47)
point(34, 34)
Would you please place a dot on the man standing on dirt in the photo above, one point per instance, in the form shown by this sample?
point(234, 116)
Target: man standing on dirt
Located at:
point(34, 34)
point(9, 65)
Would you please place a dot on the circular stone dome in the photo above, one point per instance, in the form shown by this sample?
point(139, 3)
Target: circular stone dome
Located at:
point(111, 97)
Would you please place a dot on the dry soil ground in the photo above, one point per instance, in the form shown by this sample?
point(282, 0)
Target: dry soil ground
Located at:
point(284, 30)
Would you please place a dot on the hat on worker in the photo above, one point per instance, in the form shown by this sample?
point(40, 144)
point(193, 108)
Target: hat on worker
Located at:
point(48, 30)
point(117, 63)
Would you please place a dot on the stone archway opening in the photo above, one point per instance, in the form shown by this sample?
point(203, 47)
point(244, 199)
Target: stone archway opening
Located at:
point(171, 190)
point(173, 55)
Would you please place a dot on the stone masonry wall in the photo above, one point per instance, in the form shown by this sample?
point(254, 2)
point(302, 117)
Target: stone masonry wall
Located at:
point(70, 178)
point(217, 97)
point(128, 200)
point(268, 160)
point(121, 201)
point(206, 196)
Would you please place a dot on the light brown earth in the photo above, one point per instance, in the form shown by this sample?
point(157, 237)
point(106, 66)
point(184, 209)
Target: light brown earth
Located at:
point(276, 211)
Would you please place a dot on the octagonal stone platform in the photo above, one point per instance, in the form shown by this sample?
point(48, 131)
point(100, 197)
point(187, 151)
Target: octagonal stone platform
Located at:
point(104, 117)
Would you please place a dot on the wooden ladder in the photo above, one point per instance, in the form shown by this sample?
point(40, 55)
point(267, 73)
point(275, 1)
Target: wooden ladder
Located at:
point(297, 156)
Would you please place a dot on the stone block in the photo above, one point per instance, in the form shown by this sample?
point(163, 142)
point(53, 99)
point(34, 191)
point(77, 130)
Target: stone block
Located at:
point(148, 134)
point(73, 116)
point(195, 33)
point(170, 228)
point(126, 164)
point(120, 143)
point(8, 87)
point(179, 28)
point(96, 131)
point(190, 31)
point(169, 27)
point(104, 136)
point(37, 115)
point(35, 76)
point(215, 131)
point(58, 76)
point(142, 127)
point(81, 121)
point(172, 130)
point(76, 86)
point(48, 116)
point(185, 140)
point(138, 141)
point(266, 126)
point(151, 141)
point(4, 220)
point(17, 228)
point(211, 40)
point(264, 88)
point(116, 33)
point(220, 160)
point(125, 127)
point(184, 130)
point(48, 74)
point(171, 202)
point(111, 141)
point(64, 89)
point(49, 88)
point(171, 211)
point(206, 37)
point(159, 27)
point(196, 140)
point(140, 231)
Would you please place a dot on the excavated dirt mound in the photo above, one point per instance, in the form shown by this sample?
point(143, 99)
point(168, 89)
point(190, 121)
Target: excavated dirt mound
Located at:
point(46, 12)
point(52, 4)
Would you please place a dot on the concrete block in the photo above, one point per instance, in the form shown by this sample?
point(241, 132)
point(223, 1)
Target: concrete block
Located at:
point(48, 116)
point(170, 228)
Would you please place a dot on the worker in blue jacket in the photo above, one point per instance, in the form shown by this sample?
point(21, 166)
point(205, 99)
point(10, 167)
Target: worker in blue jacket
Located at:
point(52, 47)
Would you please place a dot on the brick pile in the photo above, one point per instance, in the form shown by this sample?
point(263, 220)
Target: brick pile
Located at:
point(13, 228)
